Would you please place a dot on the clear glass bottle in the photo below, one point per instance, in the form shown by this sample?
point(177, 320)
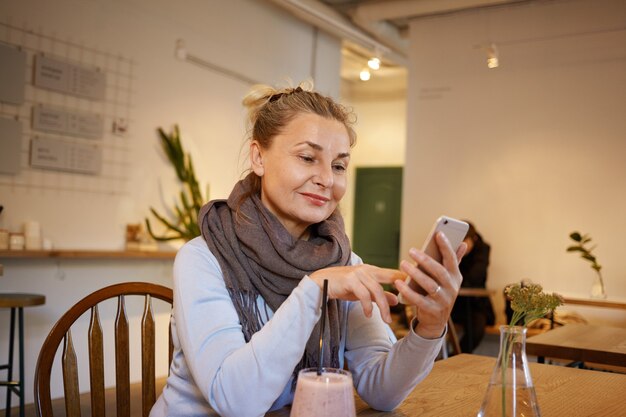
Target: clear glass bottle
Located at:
point(511, 392)
point(597, 288)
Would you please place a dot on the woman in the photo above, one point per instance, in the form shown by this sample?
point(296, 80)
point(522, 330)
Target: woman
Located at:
point(474, 313)
point(247, 294)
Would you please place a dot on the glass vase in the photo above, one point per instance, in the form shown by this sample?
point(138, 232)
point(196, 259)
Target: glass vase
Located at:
point(510, 392)
point(597, 288)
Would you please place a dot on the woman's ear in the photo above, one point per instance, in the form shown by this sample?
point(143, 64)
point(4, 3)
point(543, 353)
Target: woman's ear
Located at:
point(256, 158)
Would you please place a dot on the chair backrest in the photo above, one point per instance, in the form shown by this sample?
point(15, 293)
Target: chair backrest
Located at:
point(61, 332)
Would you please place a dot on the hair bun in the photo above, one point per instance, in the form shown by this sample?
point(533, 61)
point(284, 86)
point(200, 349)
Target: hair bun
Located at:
point(257, 97)
point(261, 94)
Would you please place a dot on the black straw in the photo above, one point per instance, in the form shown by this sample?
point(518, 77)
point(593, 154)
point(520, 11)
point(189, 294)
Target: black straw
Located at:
point(324, 302)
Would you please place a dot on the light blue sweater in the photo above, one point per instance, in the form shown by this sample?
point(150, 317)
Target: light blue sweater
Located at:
point(213, 368)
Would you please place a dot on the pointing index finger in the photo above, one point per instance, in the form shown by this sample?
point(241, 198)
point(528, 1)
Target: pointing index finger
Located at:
point(388, 275)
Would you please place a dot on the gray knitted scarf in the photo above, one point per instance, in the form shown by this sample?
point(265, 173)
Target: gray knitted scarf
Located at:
point(258, 256)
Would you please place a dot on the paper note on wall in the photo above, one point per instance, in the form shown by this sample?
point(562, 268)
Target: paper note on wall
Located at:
point(65, 77)
point(60, 155)
point(68, 122)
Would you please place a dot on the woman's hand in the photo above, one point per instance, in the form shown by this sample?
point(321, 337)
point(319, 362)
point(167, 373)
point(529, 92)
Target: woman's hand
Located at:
point(362, 283)
point(441, 283)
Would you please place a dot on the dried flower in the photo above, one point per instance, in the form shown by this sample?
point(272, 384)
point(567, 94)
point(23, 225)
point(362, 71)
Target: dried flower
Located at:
point(529, 302)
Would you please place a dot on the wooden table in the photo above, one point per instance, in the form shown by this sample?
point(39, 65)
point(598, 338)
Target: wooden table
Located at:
point(456, 386)
point(581, 342)
point(86, 254)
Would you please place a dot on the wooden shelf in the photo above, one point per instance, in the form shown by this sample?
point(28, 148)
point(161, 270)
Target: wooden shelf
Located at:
point(85, 254)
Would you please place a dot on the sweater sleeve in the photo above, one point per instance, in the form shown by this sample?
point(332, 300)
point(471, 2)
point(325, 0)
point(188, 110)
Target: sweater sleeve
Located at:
point(237, 378)
point(385, 371)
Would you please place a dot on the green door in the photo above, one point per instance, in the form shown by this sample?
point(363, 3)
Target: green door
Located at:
point(377, 204)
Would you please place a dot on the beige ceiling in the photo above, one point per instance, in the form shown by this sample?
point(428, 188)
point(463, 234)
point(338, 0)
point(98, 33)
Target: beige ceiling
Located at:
point(376, 27)
point(388, 19)
point(387, 82)
point(386, 22)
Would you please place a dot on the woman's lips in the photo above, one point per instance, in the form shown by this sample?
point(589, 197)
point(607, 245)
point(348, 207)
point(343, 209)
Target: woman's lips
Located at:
point(316, 199)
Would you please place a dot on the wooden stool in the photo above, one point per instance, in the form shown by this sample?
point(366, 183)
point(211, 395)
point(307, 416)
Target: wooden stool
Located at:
point(17, 301)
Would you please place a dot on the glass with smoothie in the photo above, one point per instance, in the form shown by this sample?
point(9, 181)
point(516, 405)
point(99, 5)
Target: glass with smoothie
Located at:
point(327, 395)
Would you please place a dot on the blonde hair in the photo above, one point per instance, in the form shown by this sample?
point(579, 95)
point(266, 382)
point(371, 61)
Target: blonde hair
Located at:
point(271, 109)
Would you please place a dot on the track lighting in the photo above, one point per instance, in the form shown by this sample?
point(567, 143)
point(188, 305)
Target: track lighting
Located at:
point(374, 63)
point(492, 56)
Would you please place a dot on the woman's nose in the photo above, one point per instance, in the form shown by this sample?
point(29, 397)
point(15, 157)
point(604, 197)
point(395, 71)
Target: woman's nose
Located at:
point(324, 176)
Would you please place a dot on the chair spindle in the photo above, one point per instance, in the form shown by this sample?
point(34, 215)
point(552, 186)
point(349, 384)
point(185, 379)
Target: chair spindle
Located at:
point(70, 377)
point(96, 364)
point(147, 358)
point(122, 361)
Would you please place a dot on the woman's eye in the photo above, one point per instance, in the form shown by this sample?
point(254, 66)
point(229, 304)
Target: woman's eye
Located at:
point(339, 167)
point(307, 158)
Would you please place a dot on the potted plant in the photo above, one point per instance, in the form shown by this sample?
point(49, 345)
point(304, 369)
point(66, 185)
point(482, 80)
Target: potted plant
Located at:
point(184, 225)
point(580, 245)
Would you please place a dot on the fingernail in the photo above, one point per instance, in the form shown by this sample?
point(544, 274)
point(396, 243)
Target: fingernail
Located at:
point(413, 251)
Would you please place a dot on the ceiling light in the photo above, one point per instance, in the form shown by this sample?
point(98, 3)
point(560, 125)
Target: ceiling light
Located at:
point(374, 63)
point(492, 56)
point(364, 75)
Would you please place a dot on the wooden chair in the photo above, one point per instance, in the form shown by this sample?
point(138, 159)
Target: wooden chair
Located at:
point(61, 331)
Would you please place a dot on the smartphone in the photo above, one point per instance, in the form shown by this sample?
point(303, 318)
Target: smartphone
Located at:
point(455, 230)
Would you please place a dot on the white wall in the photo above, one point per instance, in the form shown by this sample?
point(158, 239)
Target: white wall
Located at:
point(251, 37)
point(381, 139)
point(529, 151)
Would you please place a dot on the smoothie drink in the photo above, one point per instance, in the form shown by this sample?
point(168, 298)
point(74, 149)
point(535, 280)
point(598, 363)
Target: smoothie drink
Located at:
point(327, 395)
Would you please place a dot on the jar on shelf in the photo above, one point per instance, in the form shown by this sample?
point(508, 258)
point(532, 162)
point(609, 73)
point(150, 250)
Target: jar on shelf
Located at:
point(16, 241)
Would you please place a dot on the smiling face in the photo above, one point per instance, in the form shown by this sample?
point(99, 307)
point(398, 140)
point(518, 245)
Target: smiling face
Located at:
point(303, 172)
